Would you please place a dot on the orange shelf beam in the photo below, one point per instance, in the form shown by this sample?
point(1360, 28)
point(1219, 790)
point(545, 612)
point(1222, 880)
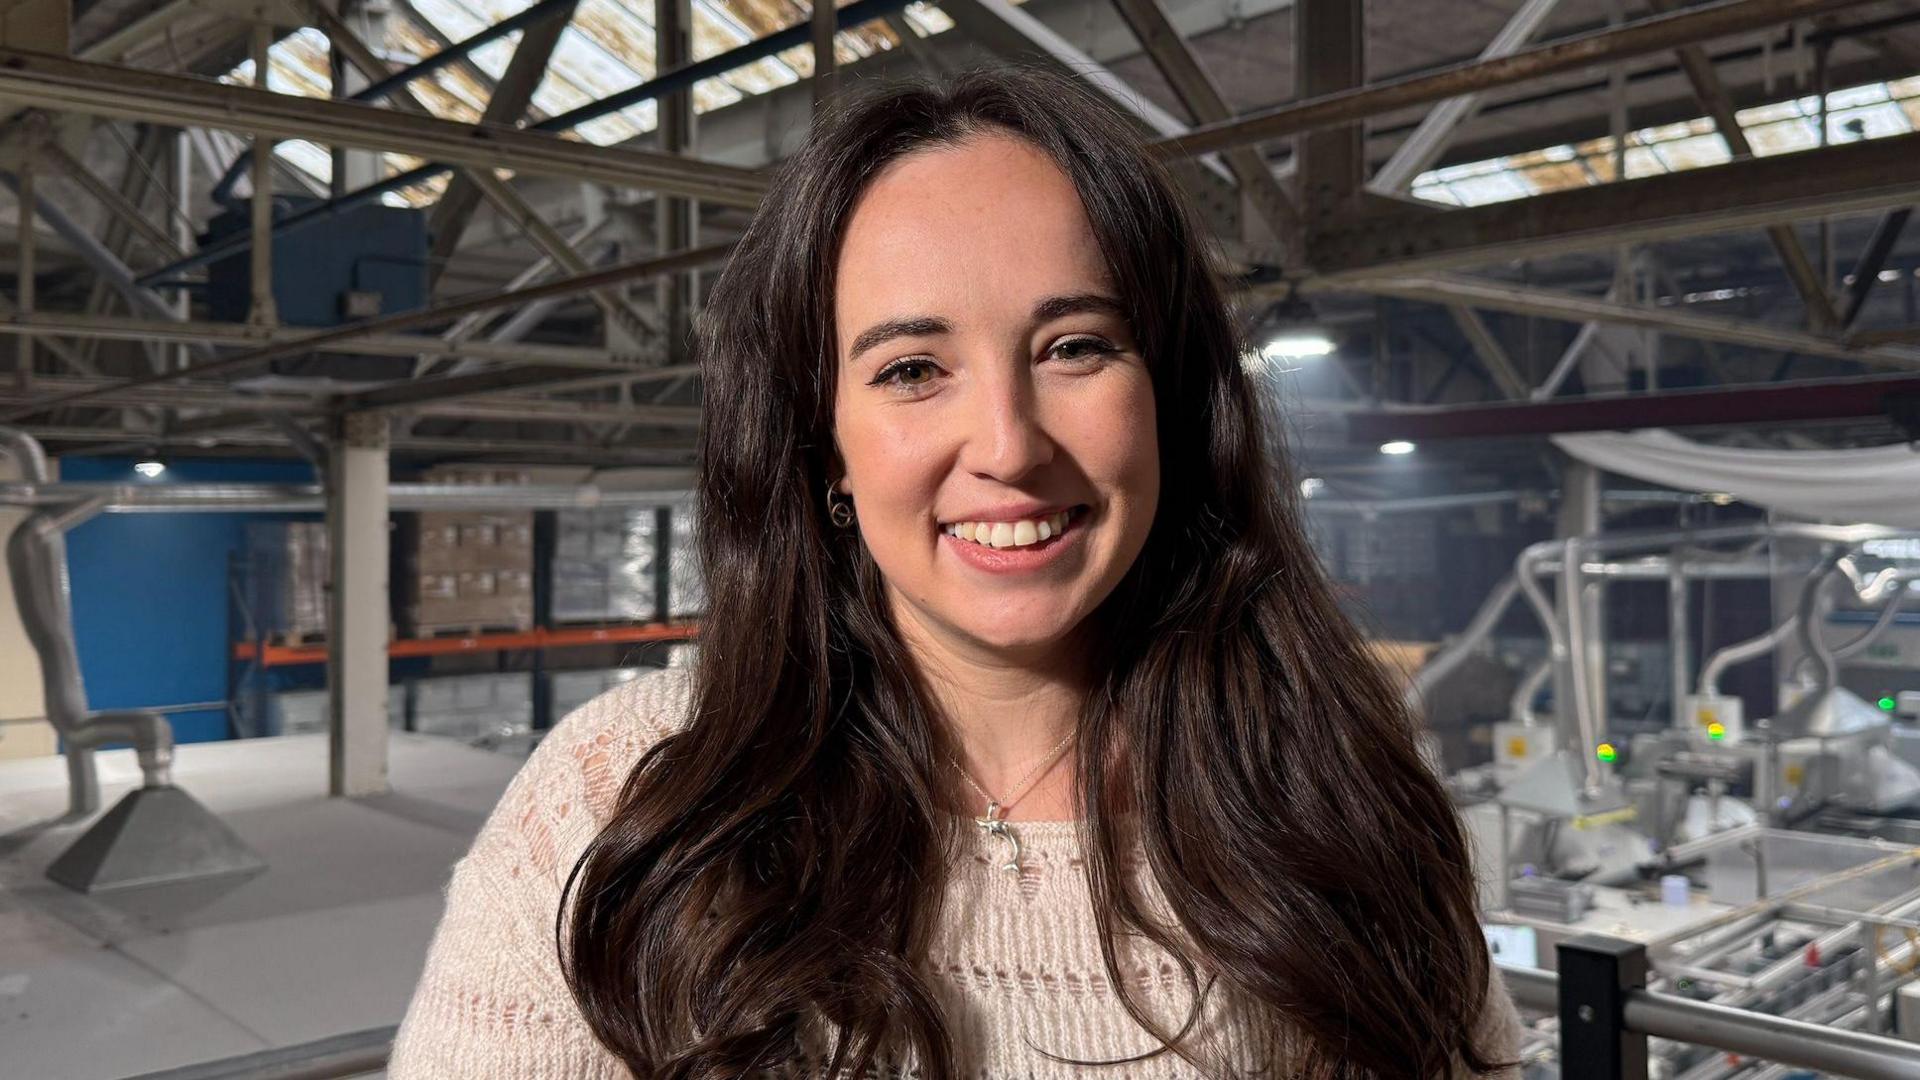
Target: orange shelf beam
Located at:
point(539, 637)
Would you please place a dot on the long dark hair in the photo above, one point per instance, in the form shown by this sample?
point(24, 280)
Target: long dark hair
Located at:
point(781, 860)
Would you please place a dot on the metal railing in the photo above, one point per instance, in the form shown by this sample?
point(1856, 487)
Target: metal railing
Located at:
point(1606, 1016)
point(334, 1058)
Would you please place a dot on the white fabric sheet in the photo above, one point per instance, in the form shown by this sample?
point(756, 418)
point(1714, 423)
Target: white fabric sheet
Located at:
point(1877, 485)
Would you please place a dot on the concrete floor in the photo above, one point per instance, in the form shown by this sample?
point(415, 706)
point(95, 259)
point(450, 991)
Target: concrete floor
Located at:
point(328, 940)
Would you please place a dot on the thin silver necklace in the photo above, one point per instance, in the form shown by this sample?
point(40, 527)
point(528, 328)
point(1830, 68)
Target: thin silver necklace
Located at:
point(996, 826)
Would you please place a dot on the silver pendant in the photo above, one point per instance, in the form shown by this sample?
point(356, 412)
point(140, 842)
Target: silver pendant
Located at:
point(995, 827)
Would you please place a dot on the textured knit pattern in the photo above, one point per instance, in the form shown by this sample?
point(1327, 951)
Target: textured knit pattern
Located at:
point(1016, 962)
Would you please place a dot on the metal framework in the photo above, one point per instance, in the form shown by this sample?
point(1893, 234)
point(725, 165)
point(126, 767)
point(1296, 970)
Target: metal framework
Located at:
point(1337, 228)
point(106, 90)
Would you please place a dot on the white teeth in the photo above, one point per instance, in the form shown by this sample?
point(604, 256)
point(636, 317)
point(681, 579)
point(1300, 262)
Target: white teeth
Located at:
point(1004, 534)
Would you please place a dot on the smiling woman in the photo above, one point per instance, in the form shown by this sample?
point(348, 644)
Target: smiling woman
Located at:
point(1003, 759)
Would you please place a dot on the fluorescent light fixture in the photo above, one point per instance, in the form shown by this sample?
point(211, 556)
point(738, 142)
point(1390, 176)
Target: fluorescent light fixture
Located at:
point(1396, 447)
point(1312, 486)
point(150, 469)
point(1303, 344)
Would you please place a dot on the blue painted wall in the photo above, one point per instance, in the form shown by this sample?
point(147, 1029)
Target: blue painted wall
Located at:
point(150, 591)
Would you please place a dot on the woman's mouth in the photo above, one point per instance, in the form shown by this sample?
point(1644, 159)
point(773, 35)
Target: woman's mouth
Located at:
point(1027, 532)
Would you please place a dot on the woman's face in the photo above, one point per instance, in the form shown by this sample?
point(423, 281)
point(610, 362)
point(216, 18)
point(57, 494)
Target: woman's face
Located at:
point(988, 383)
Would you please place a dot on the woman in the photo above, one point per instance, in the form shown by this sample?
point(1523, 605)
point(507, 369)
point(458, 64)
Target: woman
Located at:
point(1025, 739)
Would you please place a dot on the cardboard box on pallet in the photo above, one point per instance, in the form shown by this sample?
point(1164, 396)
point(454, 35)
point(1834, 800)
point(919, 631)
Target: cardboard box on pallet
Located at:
point(472, 569)
point(286, 586)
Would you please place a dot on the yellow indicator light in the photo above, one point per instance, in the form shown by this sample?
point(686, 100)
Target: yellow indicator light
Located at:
point(1606, 752)
point(1716, 731)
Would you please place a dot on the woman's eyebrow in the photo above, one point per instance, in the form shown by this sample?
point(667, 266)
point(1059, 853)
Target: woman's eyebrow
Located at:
point(882, 332)
point(1056, 307)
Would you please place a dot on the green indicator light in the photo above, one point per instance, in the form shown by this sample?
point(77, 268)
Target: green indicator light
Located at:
point(1606, 752)
point(1888, 703)
point(1716, 732)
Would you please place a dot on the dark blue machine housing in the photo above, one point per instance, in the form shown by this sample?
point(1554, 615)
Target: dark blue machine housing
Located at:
point(369, 260)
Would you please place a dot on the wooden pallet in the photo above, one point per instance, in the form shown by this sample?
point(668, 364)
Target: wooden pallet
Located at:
point(469, 630)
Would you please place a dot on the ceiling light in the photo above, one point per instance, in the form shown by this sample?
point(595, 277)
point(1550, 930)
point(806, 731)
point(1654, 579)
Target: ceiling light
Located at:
point(1289, 329)
point(1302, 344)
point(1396, 447)
point(1311, 486)
point(150, 469)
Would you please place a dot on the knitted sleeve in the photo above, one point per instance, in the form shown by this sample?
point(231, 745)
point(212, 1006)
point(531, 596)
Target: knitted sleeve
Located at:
point(1499, 1028)
point(491, 1001)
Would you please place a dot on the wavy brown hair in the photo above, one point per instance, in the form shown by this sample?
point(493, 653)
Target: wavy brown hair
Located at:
point(781, 860)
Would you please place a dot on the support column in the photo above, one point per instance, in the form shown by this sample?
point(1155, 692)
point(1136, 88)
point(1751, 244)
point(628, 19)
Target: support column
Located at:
point(674, 226)
point(1329, 56)
point(24, 271)
point(1580, 486)
point(181, 221)
point(262, 312)
point(825, 74)
point(357, 612)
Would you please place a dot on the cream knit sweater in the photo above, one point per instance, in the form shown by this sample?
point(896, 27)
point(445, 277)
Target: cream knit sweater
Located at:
point(1017, 964)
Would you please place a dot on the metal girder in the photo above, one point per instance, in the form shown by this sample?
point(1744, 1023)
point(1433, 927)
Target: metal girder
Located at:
point(1872, 260)
point(1573, 307)
point(404, 320)
point(1418, 152)
point(1859, 177)
point(467, 326)
point(1196, 90)
point(218, 397)
point(507, 107)
point(60, 349)
point(455, 208)
point(824, 62)
point(118, 328)
point(413, 393)
point(109, 198)
point(1658, 34)
point(1768, 403)
point(1488, 348)
point(432, 33)
point(519, 449)
point(1015, 33)
point(105, 90)
point(509, 204)
point(923, 54)
point(1713, 97)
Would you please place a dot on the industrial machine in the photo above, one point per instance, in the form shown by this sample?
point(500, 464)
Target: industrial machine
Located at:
point(1766, 862)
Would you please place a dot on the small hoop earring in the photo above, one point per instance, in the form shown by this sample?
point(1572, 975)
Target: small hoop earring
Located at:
point(841, 513)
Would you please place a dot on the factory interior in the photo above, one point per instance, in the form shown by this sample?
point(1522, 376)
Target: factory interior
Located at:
point(348, 430)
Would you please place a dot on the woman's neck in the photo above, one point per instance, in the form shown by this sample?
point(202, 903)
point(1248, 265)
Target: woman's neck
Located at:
point(1006, 716)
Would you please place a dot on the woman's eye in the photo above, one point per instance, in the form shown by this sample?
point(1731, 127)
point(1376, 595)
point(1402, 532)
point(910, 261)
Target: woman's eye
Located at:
point(905, 373)
point(1082, 348)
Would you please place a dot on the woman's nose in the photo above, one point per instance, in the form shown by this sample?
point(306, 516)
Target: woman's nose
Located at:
point(1007, 437)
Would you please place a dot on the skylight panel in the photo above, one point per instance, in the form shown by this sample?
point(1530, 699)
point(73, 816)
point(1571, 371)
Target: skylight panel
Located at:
point(1785, 137)
point(1695, 152)
point(1876, 122)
